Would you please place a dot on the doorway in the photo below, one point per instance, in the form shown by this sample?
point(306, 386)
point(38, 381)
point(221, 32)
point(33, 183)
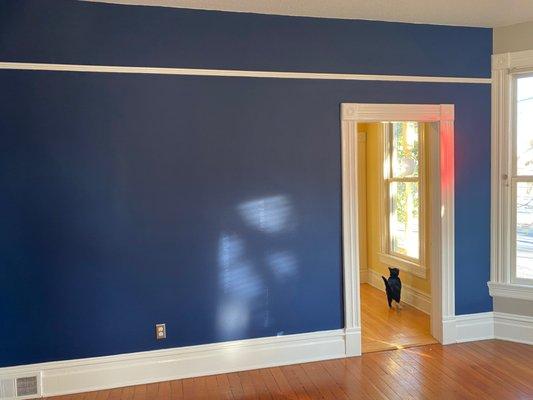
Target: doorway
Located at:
point(424, 316)
point(393, 215)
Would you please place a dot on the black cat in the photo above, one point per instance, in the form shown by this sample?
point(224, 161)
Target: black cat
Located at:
point(393, 287)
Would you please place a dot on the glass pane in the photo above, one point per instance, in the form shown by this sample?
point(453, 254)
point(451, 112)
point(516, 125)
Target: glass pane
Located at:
point(404, 218)
point(524, 230)
point(405, 149)
point(524, 126)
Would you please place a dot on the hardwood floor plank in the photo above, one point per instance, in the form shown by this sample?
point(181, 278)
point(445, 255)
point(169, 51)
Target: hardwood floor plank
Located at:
point(283, 384)
point(292, 378)
point(492, 369)
point(348, 384)
point(176, 390)
point(127, 393)
point(224, 387)
point(386, 329)
point(235, 385)
point(89, 396)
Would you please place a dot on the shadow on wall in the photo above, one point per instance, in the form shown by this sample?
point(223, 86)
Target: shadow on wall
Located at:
point(245, 264)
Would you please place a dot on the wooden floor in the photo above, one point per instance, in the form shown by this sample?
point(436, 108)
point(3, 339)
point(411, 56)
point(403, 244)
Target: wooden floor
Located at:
point(489, 369)
point(386, 329)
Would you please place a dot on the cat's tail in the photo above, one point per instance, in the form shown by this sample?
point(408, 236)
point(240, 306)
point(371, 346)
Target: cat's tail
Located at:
point(387, 287)
point(388, 291)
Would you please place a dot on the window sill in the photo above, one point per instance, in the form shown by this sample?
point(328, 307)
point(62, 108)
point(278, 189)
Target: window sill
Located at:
point(511, 290)
point(404, 265)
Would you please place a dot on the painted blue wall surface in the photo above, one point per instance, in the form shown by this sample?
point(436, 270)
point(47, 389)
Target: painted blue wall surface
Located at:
point(66, 31)
point(211, 204)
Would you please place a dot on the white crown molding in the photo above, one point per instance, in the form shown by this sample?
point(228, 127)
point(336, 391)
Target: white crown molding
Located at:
point(90, 374)
point(414, 297)
point(233, 73)
point(510, 290)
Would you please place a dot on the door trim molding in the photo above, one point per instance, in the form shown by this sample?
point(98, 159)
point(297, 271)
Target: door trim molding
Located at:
point(442, 223)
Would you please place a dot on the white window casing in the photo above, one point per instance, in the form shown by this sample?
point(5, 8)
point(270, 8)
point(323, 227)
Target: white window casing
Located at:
point(506, 69)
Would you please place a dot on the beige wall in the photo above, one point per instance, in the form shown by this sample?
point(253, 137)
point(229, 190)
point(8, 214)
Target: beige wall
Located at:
point(373, 233)
point(513, 38)
point(513, 306)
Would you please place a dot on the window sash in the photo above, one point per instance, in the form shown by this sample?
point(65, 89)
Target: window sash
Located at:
point(388, 179)
point(514, 122)
point(515, 180)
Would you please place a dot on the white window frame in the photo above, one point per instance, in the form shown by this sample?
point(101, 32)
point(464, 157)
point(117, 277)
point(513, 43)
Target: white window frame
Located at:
point(387, 256)
point(505, 70)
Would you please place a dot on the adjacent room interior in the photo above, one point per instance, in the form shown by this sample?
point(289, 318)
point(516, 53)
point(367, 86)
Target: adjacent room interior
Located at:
point(394, 222)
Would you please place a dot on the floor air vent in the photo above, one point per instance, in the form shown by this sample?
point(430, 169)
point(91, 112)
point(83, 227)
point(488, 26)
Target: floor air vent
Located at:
point(20, 387)
point(27, 386)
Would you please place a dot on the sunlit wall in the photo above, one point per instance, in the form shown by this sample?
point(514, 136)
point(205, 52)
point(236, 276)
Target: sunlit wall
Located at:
point(211, 204)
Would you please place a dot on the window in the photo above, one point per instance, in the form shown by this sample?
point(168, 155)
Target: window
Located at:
point(512, 176)
point(403, 196)
point(522, 181)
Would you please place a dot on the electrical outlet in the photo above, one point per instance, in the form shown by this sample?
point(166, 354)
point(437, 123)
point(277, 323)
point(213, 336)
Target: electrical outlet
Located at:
point(160, 331)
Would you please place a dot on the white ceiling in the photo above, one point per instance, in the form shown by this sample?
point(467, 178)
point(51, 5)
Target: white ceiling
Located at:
point(484, 13)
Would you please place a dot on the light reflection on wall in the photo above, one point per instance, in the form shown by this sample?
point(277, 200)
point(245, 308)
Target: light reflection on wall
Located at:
point(270, 214)
point(245, 270)
point(239, 284)
point(283, 264)
point(237, 275)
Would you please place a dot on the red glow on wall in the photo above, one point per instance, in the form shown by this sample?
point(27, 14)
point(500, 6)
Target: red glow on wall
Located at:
point(446, 156)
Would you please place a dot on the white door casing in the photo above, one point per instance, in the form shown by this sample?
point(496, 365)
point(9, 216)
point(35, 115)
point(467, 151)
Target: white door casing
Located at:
point(441, 227)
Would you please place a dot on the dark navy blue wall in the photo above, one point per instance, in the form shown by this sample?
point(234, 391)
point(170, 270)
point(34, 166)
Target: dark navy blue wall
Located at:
point(75, 32)
point(211, 204)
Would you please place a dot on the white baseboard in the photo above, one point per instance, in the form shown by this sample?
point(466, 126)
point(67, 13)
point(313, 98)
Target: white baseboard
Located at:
point(353, 342)
point(473, 327)
point(491, 325)
point(363, 275)
point(449, 331)
point(75, 376)
point(515, 328)
point(411, 296)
